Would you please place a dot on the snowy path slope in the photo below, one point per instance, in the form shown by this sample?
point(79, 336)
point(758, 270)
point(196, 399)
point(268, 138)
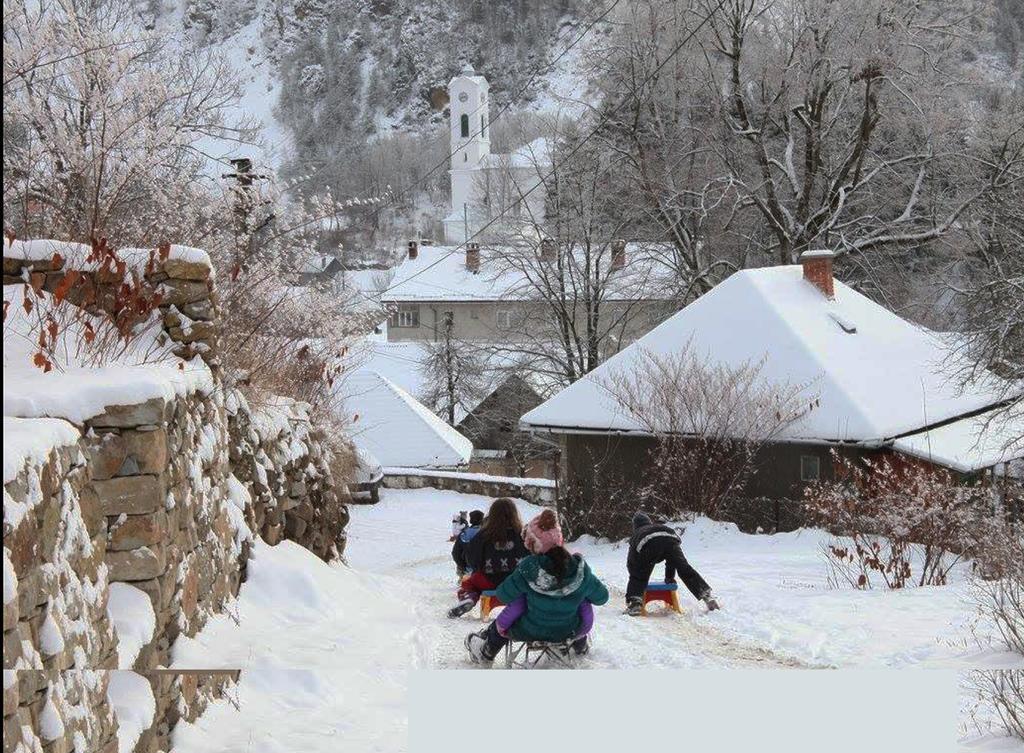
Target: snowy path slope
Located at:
point(406, 535)
point(326, 650)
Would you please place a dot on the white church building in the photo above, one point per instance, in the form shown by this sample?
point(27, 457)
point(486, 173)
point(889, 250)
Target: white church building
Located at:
point(493, 195)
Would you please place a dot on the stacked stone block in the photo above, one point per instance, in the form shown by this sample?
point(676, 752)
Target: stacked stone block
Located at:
point(188, 303)
point(58, 712)
point(159, 476)
point(57, 619)
point(285, 463)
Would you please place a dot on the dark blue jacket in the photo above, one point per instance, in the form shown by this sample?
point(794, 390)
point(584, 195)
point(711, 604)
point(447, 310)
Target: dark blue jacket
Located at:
point(459, 547)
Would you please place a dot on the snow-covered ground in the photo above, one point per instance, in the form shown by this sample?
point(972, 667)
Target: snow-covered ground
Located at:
point(326, 649)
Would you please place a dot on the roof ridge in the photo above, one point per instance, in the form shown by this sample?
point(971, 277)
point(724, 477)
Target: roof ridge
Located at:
point(419, 409)
point(824, 368)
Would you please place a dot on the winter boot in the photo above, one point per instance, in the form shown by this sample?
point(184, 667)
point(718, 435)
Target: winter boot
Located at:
point(635, 607)
point(480, 651)
point(581, 646)
point(710, 601)
point(461, 608)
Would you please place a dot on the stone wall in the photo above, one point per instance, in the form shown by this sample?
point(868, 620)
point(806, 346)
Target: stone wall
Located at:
point(55, 592)
point(537, 490)
point(58, 712)
point(181, 696)
point(159, 476)
point(61, 712)
point(162, 495)
point(286, 466)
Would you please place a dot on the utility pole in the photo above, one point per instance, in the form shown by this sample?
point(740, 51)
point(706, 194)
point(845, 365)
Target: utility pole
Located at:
point(449, 365)
point(245, 201)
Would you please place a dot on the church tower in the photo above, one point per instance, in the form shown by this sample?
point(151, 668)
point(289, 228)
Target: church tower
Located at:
point(470, 145)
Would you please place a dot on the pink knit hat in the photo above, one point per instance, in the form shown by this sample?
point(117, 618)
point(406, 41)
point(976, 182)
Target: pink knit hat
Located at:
point(543, 533)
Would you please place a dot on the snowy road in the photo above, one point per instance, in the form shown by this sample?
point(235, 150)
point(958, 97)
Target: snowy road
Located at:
point(405, 537)
point(326, 649)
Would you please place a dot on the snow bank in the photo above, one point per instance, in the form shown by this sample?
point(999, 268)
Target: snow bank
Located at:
point(131, 697)
point(76, 255)
point(32, 440)
point(76, 390)
point(131, 611)
point(324, 652)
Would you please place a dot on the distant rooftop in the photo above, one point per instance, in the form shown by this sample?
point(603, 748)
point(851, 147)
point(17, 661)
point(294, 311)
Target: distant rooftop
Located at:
point(439, 273)
point(877, 376)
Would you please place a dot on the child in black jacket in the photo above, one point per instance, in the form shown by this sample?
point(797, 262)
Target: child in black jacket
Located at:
point(650, 544)
point(461, 545)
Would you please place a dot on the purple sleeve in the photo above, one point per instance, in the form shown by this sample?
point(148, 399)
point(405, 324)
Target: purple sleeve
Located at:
point(586, 613)
point(511, 613)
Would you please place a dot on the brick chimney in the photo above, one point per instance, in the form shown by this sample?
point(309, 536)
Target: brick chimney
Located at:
point(473, 257)
point(618, 254)
point(548, 251)
point(817, 266)
point(414, 249)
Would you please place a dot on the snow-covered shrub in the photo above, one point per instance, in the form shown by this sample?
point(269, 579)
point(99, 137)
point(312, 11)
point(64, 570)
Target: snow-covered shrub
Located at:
point(999, 705)
point(104, 120)
point(898, 521)
point(90, 309)
point(709, 421)
point(999, 584)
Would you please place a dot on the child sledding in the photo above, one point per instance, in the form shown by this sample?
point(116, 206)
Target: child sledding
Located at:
point(550, 596)
point(490, 555)
point(650, 544)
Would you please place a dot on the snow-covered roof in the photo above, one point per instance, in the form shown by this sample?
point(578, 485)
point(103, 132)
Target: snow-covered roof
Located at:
point(396, 428)
point(970, 444)
point(439, 273)
point(315, 264)
point(876, 375)
point(402, 364)
point(468, 72)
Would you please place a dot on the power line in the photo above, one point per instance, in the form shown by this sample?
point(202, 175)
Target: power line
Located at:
point(675, 51)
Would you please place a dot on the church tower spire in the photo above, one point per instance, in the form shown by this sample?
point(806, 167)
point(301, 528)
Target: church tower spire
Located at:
point(470, 144)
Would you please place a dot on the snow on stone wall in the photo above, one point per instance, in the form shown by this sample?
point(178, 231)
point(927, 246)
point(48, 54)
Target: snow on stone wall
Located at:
point(283, 462)
point(126, 525)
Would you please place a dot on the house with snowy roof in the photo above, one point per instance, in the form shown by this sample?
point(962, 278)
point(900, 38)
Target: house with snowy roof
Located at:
point(486, 185)
point(496, 294)
point(396, 428)
point(880, 385)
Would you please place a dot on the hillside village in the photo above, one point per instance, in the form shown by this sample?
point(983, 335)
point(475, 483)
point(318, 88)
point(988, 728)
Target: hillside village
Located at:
point(313, 360)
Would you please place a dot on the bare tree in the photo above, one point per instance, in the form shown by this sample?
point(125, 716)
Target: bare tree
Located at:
point(779, 127)
point(709, 420)
point(455, 374)
point(104, 123)
point(573, 285)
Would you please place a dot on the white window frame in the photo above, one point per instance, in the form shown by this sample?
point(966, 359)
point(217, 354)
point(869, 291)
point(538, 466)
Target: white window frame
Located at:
point(406, 316)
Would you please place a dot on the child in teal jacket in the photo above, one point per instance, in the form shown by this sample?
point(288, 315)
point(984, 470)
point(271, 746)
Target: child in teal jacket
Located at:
point(554, 584)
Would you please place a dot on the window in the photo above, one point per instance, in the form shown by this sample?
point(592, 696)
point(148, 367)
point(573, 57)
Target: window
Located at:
point(503, 318)
point(810, 468)
point(464, 123)
point(405, 316)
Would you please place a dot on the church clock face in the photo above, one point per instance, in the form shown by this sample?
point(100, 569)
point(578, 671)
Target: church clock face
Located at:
point(463, 97)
